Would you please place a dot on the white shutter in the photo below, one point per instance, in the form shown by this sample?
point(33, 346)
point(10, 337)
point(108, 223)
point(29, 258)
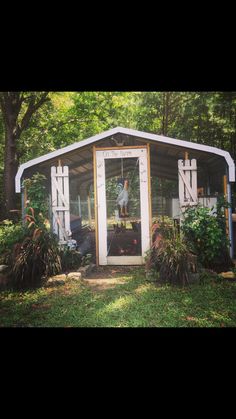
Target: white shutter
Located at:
point(60, 202)
point(187, 182)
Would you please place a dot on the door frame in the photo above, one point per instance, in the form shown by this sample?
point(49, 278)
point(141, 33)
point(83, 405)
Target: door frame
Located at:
point(122, 260)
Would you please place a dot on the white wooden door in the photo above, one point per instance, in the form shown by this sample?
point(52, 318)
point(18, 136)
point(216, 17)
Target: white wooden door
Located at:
point(107, 236)
point(60, 202)
point(187, 183)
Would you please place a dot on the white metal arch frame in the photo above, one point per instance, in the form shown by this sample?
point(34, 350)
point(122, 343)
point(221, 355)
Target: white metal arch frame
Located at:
point(134, 133)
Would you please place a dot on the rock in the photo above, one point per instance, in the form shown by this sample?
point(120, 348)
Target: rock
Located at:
point(85, 270)
point(92, 267)
point(194, 278)
point(3, 268)
point(5, 281)
point(74, 275)
point(226, 275)
point(56, 280)
point(51, 283)
point(61, 277)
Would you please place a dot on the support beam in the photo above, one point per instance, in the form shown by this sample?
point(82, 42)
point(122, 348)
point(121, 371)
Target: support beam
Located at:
point(228, 214)
point(23, 201)
point(230, 221)
point(226, 209)
point(89, 210)
point(79, 205)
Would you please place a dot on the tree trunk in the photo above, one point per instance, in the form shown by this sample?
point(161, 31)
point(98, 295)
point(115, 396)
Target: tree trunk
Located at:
point(165, 115)
point(10, 170)
point(11, 106)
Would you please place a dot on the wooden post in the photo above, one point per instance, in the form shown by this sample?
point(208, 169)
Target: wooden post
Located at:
point(79, 205)
point(231, 238)
point(149, 191)
point(89, 210)
point(226, 209)
point(186, 155)
point(95, 201)
point(24, 203)
point(25, 196)
point(50, 216)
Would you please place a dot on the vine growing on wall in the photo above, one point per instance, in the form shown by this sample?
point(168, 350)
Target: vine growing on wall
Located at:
point(37, 197)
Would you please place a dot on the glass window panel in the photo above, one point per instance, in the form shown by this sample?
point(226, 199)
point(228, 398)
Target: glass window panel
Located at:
point(123, 207)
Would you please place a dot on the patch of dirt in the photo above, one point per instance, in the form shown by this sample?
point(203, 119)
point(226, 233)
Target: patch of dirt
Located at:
point(107, 277)
point(110, 272)
point(102, 284)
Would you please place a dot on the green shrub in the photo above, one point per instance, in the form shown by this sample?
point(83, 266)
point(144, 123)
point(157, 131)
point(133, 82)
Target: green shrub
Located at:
point(207, 276)
point(86, 259)
point(37, 196)
point(70, 259)
point(206, 236)
point(10, 234)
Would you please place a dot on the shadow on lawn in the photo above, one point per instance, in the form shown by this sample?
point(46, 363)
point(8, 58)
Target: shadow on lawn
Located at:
point(137, 303)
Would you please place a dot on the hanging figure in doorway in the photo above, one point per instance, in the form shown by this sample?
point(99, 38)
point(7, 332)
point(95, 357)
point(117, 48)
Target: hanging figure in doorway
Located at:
point(123, 199)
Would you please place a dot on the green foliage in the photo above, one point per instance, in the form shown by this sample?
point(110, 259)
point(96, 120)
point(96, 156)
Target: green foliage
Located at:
point(207, 276)
point(86, 259)
point(206, 235)
point(35, 257)
point(73, 116)
point(70, 259)
point(10, 234)
point(37, 194)
point(169, 254)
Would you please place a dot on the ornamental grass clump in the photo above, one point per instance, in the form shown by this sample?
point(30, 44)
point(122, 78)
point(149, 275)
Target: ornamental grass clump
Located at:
point(37, 256)
point(169, 256)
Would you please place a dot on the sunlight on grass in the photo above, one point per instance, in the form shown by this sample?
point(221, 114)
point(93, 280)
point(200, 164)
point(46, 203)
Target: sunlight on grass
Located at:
point(135, 302)
point(119, 304)
point(143, 288)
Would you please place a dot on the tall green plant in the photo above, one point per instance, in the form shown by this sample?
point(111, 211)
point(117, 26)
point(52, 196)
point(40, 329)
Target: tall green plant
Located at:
point(37, 194)
point(10, 233)
point(205, 232)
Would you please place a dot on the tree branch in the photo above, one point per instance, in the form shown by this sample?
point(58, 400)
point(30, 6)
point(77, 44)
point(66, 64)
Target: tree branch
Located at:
point(32, 108)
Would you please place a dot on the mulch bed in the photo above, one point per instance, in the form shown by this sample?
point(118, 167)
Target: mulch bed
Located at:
point(101, 272)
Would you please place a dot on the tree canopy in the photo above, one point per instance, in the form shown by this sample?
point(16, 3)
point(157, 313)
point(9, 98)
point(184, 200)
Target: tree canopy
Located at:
point(45, 121)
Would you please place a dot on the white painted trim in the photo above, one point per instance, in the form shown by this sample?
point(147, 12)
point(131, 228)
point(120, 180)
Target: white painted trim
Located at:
point(125, 260)
point(131, 132)
point(101, 156)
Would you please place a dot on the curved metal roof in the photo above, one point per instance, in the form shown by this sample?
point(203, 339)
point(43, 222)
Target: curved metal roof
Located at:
point(131, 132)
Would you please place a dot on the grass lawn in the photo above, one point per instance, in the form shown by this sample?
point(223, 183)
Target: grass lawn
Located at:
point(131, 302)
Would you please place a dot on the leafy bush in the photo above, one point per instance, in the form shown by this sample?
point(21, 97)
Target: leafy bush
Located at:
point(37, 256)
point(169, 255)
point(86, 259)
point(10, 234)
point(70, 259)
point(206, 234)
point(207, 276)
point(37, 194)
